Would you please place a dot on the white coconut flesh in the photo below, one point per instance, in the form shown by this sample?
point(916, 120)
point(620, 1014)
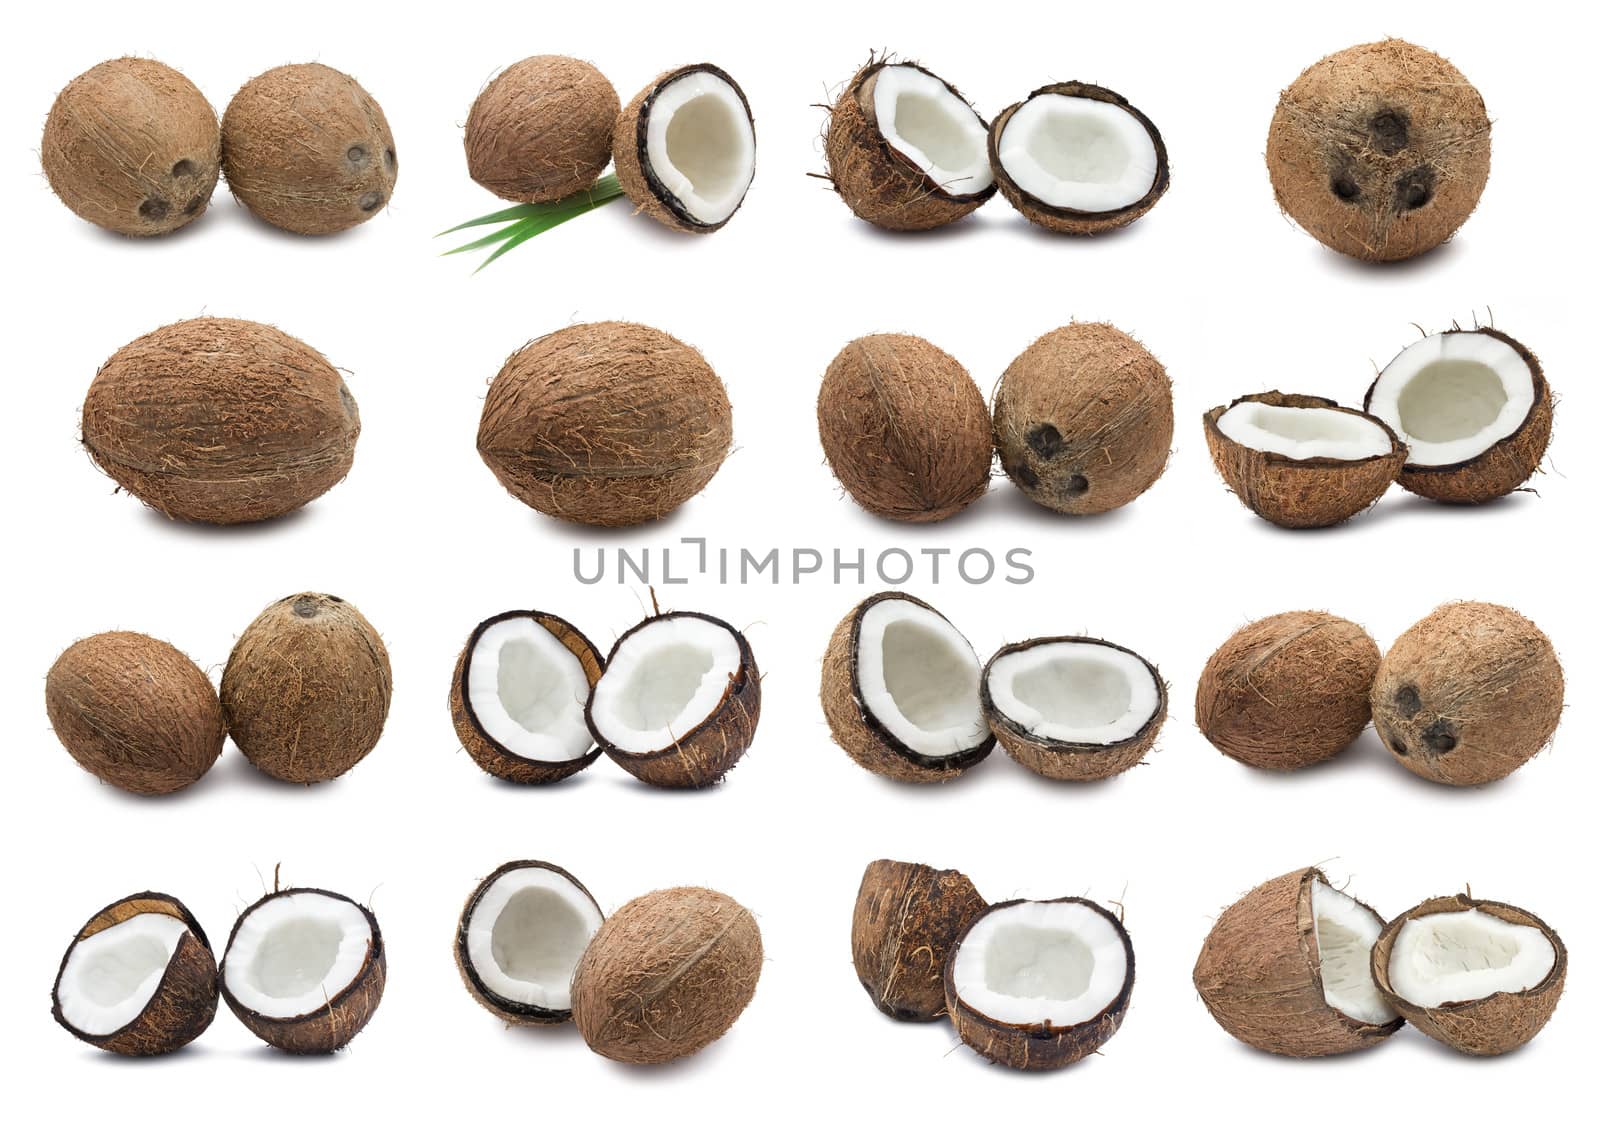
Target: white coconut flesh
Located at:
point(1304, 434)
point(1465, 956)
point(662, 682)
point(1076, 693)
point(111, 976)
point(528, 691)
point(701, 145)
point(295, 953)
point(526, 934)
point(1453, 396)
point(919, 677)
point(1345, 933)
point(926, 122)
point(1041, 963)
point(1078, 153)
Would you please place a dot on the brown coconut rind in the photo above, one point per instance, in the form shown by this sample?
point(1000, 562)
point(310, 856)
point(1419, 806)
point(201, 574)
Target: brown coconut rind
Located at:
point(132, 146)
point(306, 689)
point(1489, 1026)
point(853, 725)
point(1288, 691)
point(1301, 494)
point(1380, 151)
point(308, 150)
point(605, 424)
point(541, 131)
point(1038, 1047)
point(907, 917)
point(875, 181)
point(1066, 220)
point(666, 975)
point(630, 151)
point(905, 428)
point(343, 1015)
point(1468, 694)
point(221, 421)
point(185, 1001)
point(134, 712)
point(1083, 419)
point(485, 752)
point(1260, 975)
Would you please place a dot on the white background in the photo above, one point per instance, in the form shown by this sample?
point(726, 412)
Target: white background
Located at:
point(1224, 290)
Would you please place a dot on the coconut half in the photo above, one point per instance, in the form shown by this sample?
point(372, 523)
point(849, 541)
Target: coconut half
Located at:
point(1474, 408)
point(1481, 976)
point(907, 918)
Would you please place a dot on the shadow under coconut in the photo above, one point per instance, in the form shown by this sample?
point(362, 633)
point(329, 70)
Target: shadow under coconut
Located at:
point(235, 772)
point(1440, 257)
point(1005, 501)
point(582, 533)
point(1368, 756)
point(1016, 225)
point(236, 214)
point(188, 1053)
point(267, 527)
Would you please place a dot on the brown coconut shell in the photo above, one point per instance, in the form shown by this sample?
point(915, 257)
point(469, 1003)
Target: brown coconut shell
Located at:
point(630, 151)
point(1468, 694)
point(308, 150)
point(905, 428)
point(666, 975)
point(1260, 975)
point(1305, 493)
point(132, 146)
point(541, 131)
point(1489, 1026)
point(221, 421)
point(858, 731)
point(877, 182)
point(1083, 419)
point(341, 1016)
point(907, 917)
point(185, 1000)
point(1380, 151)
point(1066, 220)
point(134, 712)
point(306, 689)
point(607, 424)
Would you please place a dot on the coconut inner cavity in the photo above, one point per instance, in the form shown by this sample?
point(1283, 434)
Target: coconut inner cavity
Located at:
point(111, 976)
point(1078, 153)
point(526, 934)
point(926, 122)
point(1041, 963)
point(918, 676)
point(663, 681)
point(1452, 396)
point(1304, 433)
point(1346, 930)
point(1465, 956)
point(527, 691)
point(701, 145)
point(295, 953)
point(1075, 692)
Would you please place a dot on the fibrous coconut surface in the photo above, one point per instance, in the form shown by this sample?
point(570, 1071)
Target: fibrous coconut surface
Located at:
point(541, 130)
point(907, 918)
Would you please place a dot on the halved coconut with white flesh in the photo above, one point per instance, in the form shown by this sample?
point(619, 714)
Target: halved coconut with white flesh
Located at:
point(1481, 976)
point(521, 935)
point(1302, 462)
point(138, 979)
point(1076, 158)
point(304, 969)
point(1073, 708)
point(518, 695)
point(900, 691)
point(679, 700)
point(1285, 969)
point(1475, 409)
point(1040, 984)
point(685, 148)
point(905, 150)
point(907, 918)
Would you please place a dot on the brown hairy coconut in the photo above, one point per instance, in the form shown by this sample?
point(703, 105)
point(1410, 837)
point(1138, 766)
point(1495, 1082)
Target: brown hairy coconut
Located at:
point(1480, 976)
point(666, 975)
point(1285, 969)
point(607, 424)
point(221, 421)
point(1083, 419)
point(134, 712)
point(905, 150)
point(306, 689)
point(1287, 691)
point(138, 979)
point(907, 917)
point(1302, 462)
point(1379, 151)
point(542, 129)
point(1468, 694)
point(308, 150)
point(132, 146)
point(904, 428)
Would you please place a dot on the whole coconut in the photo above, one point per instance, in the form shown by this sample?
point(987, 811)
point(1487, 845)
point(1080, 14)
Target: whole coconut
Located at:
point(132, 146)
point(542, 129)
point(1083, 419)
point(134, 712)
point(308, 150)
point(306, 689)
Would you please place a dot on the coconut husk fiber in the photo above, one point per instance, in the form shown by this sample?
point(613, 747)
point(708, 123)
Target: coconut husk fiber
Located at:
point(906, 919)
point(630, 151)
point(541, 131)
